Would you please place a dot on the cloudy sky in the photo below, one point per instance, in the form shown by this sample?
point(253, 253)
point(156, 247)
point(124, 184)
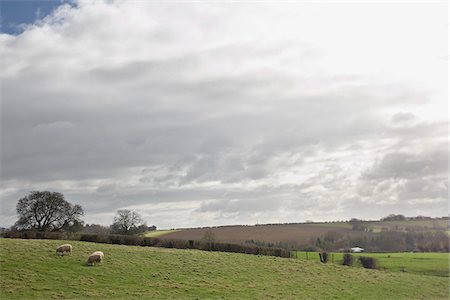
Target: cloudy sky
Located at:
point(197, 113)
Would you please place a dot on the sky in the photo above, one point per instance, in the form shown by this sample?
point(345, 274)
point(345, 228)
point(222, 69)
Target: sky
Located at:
point(16, 14)
point(204, 113)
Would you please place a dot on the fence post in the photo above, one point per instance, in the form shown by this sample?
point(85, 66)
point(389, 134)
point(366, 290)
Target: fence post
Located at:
point(332, 258)
point(306, 255)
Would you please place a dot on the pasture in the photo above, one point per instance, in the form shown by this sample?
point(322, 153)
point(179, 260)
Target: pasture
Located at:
point(30, 269)
point(434, 264)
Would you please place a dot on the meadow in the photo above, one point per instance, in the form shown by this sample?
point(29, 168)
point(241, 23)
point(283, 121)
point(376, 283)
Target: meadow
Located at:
point(434, 264)
point(30, 269)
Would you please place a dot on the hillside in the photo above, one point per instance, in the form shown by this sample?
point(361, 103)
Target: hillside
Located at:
point(305, 234)
point(268, 233)
point(30, 269)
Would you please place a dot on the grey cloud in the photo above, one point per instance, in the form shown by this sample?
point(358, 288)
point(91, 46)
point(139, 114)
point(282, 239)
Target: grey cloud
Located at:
point(402, 117)
point(167, 109)
point(364, 209)
point(425, 188)
point(408, 180)
point(239, 206)
point(409, 165)
point(420, 131)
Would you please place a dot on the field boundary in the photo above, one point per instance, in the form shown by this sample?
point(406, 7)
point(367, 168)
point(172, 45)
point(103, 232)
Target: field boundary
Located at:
point(139, 240)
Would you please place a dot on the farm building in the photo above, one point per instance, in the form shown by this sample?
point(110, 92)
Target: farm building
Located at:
point(357, 249)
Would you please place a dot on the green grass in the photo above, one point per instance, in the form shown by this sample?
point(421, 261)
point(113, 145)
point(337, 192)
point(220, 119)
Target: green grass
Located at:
point(30, 269)
point(158, 233)
point(378, 226)
point(402, 225)
point(435, 264)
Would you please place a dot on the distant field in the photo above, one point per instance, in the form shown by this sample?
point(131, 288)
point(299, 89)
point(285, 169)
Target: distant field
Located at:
point(268, 233)
point(435, 264)
point(158, 233)
point(410, 224)
point(298, 233)
point(30, 269)
point(332, 225)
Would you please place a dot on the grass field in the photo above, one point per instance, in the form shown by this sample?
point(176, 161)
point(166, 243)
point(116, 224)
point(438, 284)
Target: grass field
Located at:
point(435, 264)
point(407, 224)
point(30, 269)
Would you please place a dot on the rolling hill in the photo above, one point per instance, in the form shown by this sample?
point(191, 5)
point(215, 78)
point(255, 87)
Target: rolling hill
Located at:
point(30, 269)
point(299, 234)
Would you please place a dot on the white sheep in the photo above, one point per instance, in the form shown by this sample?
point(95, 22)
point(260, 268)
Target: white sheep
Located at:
point(99, 253)
point(94, 258)
point(64, 248)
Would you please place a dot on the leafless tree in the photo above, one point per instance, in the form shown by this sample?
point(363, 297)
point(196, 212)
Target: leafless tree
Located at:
point(47, 211)
point(127, 221)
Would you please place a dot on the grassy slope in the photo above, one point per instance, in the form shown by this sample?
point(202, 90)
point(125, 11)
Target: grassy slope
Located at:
point(31, 269)
point(435, 264)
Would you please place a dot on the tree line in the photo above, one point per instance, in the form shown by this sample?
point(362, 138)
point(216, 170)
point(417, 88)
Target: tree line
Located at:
point(49, 211)
point(45, 211)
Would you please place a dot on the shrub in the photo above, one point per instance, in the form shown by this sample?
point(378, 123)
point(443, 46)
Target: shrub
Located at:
point(29, 235)
point(368, 262)
point(88, 237)
point(309, 249)
point(348, 259)
point(147, 241)
point(132, 240)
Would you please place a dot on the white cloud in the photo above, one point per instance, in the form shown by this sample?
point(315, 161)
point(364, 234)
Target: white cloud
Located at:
point(226, 113)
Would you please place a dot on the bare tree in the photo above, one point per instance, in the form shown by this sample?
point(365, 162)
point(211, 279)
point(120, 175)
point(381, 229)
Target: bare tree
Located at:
point(47, 211)
point(127, 222)
point(209, 238)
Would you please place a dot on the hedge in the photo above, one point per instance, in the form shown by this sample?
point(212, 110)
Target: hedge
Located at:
point(139, 240)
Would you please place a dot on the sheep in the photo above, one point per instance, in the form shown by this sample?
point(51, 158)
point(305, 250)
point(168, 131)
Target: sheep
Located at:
point(99, 253)
point(94, 258)
point(64, 248)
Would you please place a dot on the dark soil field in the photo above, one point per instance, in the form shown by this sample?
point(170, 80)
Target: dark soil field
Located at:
point(299, 233)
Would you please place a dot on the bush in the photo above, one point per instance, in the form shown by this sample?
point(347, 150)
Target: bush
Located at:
point(368, 262)
point(348, 259)
point(88, 237)
point(309, 249)
point(147, 241)
point(323, 257)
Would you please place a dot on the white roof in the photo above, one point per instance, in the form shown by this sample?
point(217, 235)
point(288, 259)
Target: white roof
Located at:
point(357, 249)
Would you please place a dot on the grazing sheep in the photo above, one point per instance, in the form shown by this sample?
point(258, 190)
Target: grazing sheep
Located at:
point(64, 248)
point(99, 253)
point(94, 258)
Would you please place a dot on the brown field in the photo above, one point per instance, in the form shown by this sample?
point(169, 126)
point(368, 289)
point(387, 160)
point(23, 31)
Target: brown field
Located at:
point(299, 233)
